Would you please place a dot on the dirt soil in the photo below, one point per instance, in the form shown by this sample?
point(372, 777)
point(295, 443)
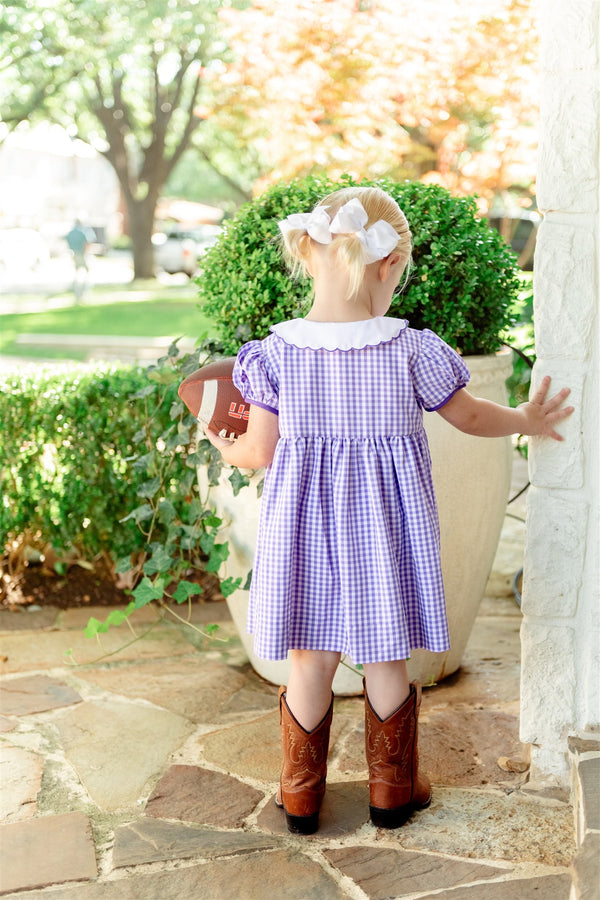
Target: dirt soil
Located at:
point(82, 587)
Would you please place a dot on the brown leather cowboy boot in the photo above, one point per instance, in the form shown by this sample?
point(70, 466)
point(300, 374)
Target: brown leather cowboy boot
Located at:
point(396, 788)
point(302, 784)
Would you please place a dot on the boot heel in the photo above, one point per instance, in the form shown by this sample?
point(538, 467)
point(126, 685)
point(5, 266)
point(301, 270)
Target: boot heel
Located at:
point(390, 818)
point(302, 824)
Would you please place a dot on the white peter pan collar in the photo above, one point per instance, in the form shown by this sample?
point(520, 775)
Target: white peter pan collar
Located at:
point(306, 334)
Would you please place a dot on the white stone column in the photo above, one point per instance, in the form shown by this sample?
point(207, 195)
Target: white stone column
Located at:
point(560, 685)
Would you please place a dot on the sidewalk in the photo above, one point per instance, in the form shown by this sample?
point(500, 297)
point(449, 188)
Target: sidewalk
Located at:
point(151, 773)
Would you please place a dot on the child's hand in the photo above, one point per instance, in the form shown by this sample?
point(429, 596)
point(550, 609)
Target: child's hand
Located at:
point(541, 414)
point(216, 440)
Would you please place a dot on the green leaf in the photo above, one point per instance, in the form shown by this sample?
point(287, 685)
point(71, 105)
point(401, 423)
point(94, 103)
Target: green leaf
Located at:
point(185, 590)
point(118, 616)
point(217, 557)
point(163, 376)
point(207, 542)
point(177, 408)
point(194, 460)
point(229, 585)
point(140, 514)
point(166, 512)
point(195, 511)
point(123, 565)
point(211, 520)
point(160, 561)
point(146, 592)
point(142, 463)
point(93, 627)
point(115, 617)
point(144, 392)
point(149, 488)
point(238, 481)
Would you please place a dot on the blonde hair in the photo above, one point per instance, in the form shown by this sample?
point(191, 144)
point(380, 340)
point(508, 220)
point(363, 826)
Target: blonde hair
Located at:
point(346, 250)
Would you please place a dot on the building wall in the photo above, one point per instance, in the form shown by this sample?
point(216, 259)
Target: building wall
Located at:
point(560, 693)
point(47, 180)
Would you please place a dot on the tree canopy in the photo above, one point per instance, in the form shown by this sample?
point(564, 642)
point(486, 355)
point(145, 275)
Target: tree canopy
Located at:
point(434, 91)
point(437, 91)
point(126, 78)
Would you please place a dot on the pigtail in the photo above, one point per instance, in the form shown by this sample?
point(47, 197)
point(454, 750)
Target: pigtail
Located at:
point(295, 249)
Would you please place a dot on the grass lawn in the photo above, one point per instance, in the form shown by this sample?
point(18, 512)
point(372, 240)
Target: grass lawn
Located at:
point(152, 316)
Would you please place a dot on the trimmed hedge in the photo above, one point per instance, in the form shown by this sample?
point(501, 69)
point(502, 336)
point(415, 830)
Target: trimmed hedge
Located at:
point(463, 284)
point(68, 441)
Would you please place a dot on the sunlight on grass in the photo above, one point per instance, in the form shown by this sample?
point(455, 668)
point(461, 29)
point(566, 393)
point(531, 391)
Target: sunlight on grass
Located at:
point(177, 317)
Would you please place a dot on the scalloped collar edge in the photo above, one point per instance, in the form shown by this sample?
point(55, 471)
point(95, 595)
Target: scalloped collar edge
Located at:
point(306, 334)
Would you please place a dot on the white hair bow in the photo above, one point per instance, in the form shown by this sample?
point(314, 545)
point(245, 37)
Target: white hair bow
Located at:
point(379, 240)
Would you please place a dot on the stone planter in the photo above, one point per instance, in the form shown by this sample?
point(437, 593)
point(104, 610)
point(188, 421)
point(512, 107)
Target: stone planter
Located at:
point(472, 480)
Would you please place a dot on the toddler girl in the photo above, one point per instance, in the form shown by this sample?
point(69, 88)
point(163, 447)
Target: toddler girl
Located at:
point(348, 559)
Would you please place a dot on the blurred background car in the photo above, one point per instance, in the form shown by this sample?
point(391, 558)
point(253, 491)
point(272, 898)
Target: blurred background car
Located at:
point(178, 248)
point(23, 249)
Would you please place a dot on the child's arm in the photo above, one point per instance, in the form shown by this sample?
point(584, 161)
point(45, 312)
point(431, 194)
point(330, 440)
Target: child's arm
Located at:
point(487, 419)
point(256, 447)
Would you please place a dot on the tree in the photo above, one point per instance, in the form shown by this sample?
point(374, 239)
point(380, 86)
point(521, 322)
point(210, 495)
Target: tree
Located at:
point(436, 90)
point(126, 78)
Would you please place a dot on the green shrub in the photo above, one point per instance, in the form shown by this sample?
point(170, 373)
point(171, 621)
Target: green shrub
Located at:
point(105, 460)
point(75, 462)
point(463, 282)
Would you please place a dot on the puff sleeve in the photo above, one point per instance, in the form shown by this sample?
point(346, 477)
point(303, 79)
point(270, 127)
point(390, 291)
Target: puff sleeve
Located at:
point(438, 373)
point(254, 377)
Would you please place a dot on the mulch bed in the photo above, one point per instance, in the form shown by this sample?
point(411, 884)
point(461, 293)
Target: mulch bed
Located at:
point(82, 587)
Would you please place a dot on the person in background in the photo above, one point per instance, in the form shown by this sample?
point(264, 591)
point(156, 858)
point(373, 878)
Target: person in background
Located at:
point(79, 239)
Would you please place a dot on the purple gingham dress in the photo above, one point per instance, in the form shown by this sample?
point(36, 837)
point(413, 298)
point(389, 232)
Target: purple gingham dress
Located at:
point(347, 555)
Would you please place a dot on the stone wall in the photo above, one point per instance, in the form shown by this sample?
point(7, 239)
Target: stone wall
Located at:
point(561, 598)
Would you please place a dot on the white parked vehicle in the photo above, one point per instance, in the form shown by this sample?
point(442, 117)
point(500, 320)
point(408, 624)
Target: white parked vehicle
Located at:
point(179, 248)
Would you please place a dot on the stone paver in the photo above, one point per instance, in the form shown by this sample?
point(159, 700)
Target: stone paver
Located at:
point(44, 851)
point(153, 840)
point(550, 887)
point(383, 872)
point(345, 809)
point(192, 794)
point(493, 825)
point(35, 693)
point(275, 875)
point(472, 740)
point(117, 747)
point(42, 650)
point(20, 782)
point(460, 746)
point(586, 864)
point(173, 755)
point(589, 774)
point(490, 672)
point(204, 694)
point(28, 618)
point(253, 749)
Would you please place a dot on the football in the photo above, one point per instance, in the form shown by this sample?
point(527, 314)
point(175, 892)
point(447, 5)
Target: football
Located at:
point(211, 396)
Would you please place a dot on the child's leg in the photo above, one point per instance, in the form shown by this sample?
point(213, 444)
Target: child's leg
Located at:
point(308, 693)
point(387, 685)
